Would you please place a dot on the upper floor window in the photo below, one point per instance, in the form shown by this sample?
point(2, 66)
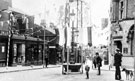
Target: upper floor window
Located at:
point(122, 9)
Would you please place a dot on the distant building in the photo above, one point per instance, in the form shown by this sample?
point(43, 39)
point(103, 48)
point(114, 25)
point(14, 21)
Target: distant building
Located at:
point(89, 30)
point(122, 30)
point(104, 22)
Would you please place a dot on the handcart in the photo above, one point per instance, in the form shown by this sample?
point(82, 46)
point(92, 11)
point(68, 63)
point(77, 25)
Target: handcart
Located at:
point(72, 62)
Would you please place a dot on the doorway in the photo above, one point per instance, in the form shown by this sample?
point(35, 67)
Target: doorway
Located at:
point(118, 44)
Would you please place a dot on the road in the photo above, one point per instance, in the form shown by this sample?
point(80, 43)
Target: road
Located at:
point(54, 74)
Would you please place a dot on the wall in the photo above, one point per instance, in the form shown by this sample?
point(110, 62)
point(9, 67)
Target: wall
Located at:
point(130, 8)
point(4, 4)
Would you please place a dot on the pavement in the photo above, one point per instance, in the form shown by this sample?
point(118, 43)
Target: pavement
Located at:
point(110, 72)
point(24, 68)
point(106, 73)
point(35, 67)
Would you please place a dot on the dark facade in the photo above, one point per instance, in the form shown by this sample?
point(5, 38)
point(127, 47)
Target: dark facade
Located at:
point(4, 4)
point(52, 43)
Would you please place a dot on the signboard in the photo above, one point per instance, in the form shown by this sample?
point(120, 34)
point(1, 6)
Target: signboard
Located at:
point(3, 49)
point(52, 46)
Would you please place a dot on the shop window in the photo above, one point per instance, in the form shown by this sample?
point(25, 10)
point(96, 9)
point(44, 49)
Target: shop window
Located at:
point(121, 9)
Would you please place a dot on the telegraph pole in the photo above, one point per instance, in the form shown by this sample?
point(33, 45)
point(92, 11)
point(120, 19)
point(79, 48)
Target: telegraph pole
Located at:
point(81, 14)
point(9, 36)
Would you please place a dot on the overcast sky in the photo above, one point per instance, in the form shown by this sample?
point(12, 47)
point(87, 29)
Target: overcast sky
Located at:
point(99, 9)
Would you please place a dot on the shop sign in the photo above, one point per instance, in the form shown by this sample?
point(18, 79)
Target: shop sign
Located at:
point(52, 46)
point(3, 49)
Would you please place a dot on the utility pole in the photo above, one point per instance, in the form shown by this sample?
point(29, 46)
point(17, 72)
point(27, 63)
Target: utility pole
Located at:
point(44, 26)
point(77, 22)
point(77, 12)
point(44, 49)
point(9, 37)
point(81, 14)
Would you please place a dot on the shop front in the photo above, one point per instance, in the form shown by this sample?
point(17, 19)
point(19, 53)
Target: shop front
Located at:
point(3, 52)
point(25, 51)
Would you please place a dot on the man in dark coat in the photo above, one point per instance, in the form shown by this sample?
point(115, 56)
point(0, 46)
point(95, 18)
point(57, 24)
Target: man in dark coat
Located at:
point(98, 62)
point(46, 60)
point(94, 62)
point(117, 64)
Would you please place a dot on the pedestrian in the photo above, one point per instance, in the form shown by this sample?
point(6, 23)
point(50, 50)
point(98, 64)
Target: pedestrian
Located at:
point(94, 62)
point(87, 67)
point(46, 61)
point(98, 62)
point(117, 64)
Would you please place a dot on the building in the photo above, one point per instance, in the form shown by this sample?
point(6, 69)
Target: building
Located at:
point(4, 4)
point(122, 30)
point(20, 40)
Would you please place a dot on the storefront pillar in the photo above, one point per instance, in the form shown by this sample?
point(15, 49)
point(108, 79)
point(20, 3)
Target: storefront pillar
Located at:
point(14, 54)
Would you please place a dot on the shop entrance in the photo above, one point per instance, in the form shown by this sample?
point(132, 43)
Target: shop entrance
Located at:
point(118, 44)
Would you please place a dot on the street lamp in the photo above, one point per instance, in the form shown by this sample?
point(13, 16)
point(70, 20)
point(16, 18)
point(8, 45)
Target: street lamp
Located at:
point(44, 48)
point(72, 19)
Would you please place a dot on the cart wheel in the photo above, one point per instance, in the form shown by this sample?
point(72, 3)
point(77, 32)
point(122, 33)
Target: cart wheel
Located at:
point(63, 73)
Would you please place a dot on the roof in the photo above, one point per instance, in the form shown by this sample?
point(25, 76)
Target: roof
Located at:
point(17, 10)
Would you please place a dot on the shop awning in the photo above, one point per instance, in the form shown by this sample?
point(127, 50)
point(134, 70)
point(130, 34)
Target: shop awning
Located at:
point(19, 37)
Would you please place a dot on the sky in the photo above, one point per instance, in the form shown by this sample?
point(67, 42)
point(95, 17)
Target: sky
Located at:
point(99, 9)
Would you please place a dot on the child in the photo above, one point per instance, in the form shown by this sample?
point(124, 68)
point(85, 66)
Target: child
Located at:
point(87, 68)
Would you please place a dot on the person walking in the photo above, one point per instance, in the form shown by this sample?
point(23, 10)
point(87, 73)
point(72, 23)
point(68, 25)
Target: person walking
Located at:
point(98, 62)
point(87, 67)
point(94, 62)
point(117, 64)
point(46, 60)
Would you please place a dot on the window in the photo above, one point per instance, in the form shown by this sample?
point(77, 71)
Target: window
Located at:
point(121, 9)
point(125, 50)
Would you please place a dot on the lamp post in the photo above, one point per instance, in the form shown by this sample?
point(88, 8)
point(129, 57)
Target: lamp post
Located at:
point(9, 37)
point(44, 49)
point(72, 42)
